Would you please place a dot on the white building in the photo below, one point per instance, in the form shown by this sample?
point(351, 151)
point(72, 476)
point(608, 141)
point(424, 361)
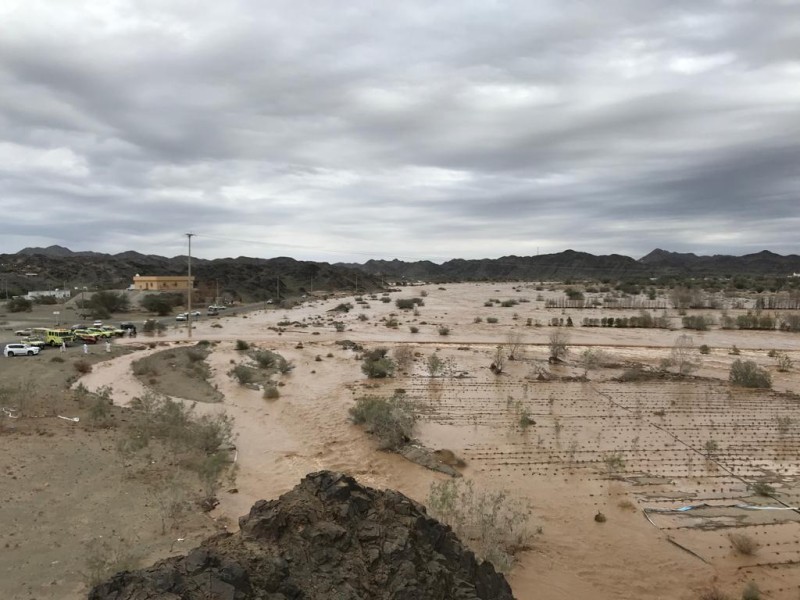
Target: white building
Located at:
point(57, 294)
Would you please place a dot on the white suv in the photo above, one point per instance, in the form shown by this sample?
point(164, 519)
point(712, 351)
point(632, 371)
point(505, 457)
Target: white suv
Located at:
point(20, 350)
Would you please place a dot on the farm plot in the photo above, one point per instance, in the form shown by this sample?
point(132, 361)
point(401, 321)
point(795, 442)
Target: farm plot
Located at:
point(715, 470)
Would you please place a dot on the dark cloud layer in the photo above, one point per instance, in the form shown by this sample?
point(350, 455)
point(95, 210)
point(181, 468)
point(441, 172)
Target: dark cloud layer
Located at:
point(343, 131)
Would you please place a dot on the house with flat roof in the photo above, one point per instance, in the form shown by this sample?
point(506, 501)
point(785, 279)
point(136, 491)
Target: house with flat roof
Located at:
point(163, 283)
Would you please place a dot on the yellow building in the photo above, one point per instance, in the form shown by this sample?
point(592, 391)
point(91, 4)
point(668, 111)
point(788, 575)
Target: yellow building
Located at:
point(162, 283)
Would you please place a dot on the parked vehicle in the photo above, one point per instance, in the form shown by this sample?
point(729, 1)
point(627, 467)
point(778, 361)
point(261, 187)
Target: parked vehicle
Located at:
point(20, 350)
point(85, 336)
point(34, 341)
point(115, 331)
point(181, 317)
point(22, 332)
point(100, 333)
point(54, 337)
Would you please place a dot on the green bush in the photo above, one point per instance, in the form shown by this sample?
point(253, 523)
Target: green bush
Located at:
point(408, 303)
point(746, 373)
point(391, 420)
point(161, 304)
point(377, 364)
point(243, 374)
point(242, 345)
point(109, 302)
point(271, 392)
point(19, 304)
point(493, 524)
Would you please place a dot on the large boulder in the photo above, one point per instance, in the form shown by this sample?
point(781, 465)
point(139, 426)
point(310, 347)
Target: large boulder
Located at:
point(328, 538)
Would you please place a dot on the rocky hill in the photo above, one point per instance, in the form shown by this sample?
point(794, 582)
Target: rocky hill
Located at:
point(245, 278)
point(571, 264)
point(328, 538)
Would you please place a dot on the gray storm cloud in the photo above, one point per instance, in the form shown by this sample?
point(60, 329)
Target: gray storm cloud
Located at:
point(335, 131)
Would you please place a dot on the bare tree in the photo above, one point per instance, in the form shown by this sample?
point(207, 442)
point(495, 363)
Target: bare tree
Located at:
point(514, 345)
point(589, 360)
point(683, 356)
point(559, 339)
point(499, 359)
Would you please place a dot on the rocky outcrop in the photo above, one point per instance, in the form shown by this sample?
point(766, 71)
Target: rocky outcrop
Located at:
point(328, 538)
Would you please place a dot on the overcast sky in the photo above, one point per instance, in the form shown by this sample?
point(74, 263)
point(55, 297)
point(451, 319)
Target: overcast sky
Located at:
point(343, 131)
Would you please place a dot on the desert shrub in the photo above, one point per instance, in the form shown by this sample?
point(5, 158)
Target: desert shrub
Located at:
point(751, 591)
point(743, 544)
point(243, 374)
point(391, 420)
point(704, 349)
point(266, 359)
point(697, 322)
point(83, 366)
point(762, 488)
point(100, 407)
point(386, 299)
point(339, 326)
point(161, 304)
point(443, 330)
point(159, 417)
point(377, 364)
point(746, 373)
point(343, 307)
point(57, 359)
point(492, 320)
point(271, 392)
point(508, 303)
point(403, 356)
point(614, 462)
point(492, 524)
point(19, 304)
point(408, 303)
point(242, 345)
point(713, 593)
point(784, 362)
point(106, 302)
point(195, 355)
point(525, 419)
point(413, 329)
point(363, 317)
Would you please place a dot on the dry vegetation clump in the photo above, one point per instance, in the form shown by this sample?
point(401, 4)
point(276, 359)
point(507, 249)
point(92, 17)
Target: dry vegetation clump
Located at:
point(746, 373)
point(492, 524)
point(82, 366)
point(743, 544)
point(202, 443)
point(391, 420)
point(377, 364)
point(179, 371)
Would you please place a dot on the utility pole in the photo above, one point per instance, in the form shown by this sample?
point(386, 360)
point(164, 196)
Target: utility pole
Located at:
point(189, 285)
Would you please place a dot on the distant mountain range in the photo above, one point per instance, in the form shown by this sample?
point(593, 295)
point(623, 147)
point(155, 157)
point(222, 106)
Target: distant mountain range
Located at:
point(249, 279)
point(572, 264)
point(257, 278)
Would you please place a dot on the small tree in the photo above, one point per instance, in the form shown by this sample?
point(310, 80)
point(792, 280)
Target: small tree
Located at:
point(558, 342)
point(514, 345)
point(589, 360)
point(682, 355)
point(499, 360)
point(435, 365)
point(746, 373)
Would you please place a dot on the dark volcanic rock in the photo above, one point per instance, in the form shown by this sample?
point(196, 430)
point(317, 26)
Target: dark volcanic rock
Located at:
point(328, 538)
